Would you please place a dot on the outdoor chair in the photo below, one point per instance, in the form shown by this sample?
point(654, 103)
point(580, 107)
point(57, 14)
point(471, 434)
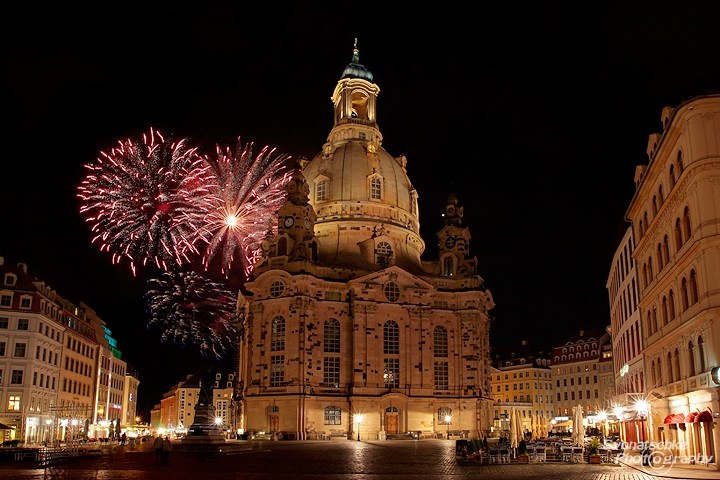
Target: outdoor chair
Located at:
point(605, 455)
point(567, 454)
point(540, 454)
point(577, 454)
point(494, 455)
point(504, 455)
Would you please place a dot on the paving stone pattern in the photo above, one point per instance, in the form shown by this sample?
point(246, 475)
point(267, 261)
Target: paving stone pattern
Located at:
point(332, 460)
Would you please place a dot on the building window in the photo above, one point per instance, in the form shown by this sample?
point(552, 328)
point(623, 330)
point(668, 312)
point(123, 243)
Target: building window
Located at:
point(391, 372)
point(20, 350)
point(677, 233)
point(440, 342)
point(2, 350)
point(701, 355)
point(391, 338)
point(332, 416)
point(277, 289)
point(17, 377)
point(14, 403)
point(684, 294)
point(693, 288)
point(671, 305)
point(392, 291)
point(679, 163)
point(331, 372)
point(5, 300)
point(331, 340)
point(320, 190)
point(277, 338)
point(672, 176)
point(25, 302)
point(448, 266)
point(3, 322)
point(376, 188)
point(444, 416)
point(383, 254)
point(687, 232)
point(441, 375)
point(23, 324)
point(277, 370)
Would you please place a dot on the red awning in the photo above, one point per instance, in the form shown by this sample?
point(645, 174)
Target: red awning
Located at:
point(691, 417)
point(703, 417)
point(675, 418)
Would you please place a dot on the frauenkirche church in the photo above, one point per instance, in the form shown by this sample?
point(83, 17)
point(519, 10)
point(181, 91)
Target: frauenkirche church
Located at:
point(348, 332)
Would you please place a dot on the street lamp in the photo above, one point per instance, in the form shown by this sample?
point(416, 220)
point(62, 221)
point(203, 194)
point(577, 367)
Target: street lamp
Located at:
point(641, 406)
point(359, 420)
point(448, 419)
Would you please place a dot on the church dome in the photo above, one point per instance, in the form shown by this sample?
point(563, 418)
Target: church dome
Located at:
point(358, 190)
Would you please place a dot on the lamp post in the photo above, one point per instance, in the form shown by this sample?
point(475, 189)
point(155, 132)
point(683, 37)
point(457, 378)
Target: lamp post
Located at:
point(358, 419)
point(448, 419)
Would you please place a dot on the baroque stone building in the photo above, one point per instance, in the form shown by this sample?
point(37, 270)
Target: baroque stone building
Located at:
point(674, 214)
point(348, 333)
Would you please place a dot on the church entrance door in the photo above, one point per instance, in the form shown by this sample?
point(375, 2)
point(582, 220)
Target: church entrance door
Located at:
point(391, 424)
point(274, 422)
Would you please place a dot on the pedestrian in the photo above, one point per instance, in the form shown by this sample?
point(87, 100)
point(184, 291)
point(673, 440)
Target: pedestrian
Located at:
point(158, 444)
point(123, 439)
point(166, 447)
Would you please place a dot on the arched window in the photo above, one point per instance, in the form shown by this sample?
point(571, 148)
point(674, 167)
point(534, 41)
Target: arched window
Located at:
point(321, 190)
point(693, 288)
point(671, 305)
point(383, 254)
point(654, 319)
point(444, 416)
point(282, 246)
point(391, 338)
point(654, 206)
point(640, 228)
point(666, 250)
point(277, 336)
point(653, 379)
point(684, 294)
point(333, 416)
point(645, 219)
point(658, 374)
point(687, 232)
point(392, 291)
point(664, 311)
point(669, 367)
point(677, 233)
point(645, 275)
point(680, 165)
point(448, 266)
point(701, 355)
point(649, 324)
point(660, 195)
point(659, 257)
point(650, 269)
point(376, 188)
point(691, 358)
point(677, 376)
point(331, 339)
point(672, 176)
point(440, 342)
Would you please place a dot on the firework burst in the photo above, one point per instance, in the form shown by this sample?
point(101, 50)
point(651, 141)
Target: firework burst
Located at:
point(132, 198)
point(193, 309)
point(243, 194)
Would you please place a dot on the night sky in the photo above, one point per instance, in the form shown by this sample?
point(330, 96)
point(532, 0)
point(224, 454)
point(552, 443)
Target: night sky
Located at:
point(535, 114)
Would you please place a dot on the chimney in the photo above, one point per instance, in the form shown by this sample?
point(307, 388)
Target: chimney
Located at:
point(23, 266)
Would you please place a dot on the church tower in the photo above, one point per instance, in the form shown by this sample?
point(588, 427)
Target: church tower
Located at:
point(346, 327)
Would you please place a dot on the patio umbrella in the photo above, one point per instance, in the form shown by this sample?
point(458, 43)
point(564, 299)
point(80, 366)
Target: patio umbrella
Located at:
point(514, 440)
point(578, 435)
point(520, 428)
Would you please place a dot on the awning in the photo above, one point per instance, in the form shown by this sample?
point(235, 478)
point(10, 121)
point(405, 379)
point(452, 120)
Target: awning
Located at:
point(5, 427)
point(703, 417)
point(691, 417)
point(674, 418)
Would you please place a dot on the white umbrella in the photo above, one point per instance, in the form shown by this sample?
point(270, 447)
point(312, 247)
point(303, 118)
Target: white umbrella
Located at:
point(578, 435)
point(514, 440)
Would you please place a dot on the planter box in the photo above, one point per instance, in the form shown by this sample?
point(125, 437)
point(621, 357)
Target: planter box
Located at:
point(523, 458)
point(594, 458)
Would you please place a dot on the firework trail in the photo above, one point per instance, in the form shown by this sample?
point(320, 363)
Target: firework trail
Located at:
point(193, 309)
point(132, 198)
point(243, 195)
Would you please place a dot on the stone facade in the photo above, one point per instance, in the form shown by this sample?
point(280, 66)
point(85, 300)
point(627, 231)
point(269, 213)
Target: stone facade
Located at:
point(347, 333)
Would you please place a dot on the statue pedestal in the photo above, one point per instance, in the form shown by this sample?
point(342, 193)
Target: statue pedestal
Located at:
point(204, 437)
